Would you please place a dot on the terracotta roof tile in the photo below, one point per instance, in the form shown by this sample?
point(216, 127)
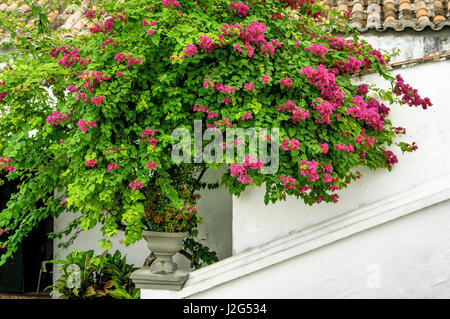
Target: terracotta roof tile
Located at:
point(378, 15)
point(12, 6)
point(24, 9)
point(398, 15)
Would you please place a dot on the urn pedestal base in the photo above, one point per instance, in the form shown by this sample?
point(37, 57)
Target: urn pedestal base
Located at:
point(145, 278)
point(162, 273)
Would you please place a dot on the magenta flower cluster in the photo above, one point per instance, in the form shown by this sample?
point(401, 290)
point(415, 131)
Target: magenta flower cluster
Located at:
point(191, 50)
point(288, 182)
point(247, 116)
point(342, 147)
point(148, 134)
point(249, 86)
point(71, 56)
point(351, 65)
point(170, 3)
point(187, 207)
point(292, 145)
point(240, 170)
point(298, 114)
point(119, 57)
point(112, 167)
point(204, 109)
point(309, 169)
point(323, 147)
point(265, 79)
point(5, 164)
point(84, 126)
point(91, 162)
point(287, 82)
point(136, 184)
point(390, 157)
point(56, 117)
point(239, 8)
point(410, 95)
point(151, 165)
point(318, 50)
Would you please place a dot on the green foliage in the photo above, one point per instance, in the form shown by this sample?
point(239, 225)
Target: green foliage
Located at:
point(153, 87)
point(104, 276)
point(201, 255)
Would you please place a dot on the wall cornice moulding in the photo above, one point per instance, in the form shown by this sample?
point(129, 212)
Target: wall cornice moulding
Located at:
point(313, 237)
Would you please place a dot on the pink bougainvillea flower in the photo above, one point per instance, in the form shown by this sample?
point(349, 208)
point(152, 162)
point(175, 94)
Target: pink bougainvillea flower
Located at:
point(226, 100)
point(249, 86)
point(289, 182)
point(191, 50)
point(135, 184)
point(237, 47)
point(265, 79)
point(253, 33)
point(247, 116)
point(250, 49)
point(268, 47)
point(119, 57)
point(170, 3)
point(206, 43)
point(362, 89)
point(342, 147)
point(108, 25)
point(391, 159)
point(97, 100)
point(317, 49)
point(351, 65)
point(240, 170)
point(410, 95)
point(239, 8)
point(91, 162)
point(287, 82)
point(83, 125)
point(4, 164)
point(292, 145)
point(151, 165)
point(309, 169)
point(56, 117)
point(89, 14)
point(323, 147)
point(112, 167)
point(148, 135)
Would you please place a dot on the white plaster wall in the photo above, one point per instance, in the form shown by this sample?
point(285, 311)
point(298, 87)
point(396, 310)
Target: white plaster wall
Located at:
point(215, 231)
point(255, 224)
point(411, 44)
point(408, 257)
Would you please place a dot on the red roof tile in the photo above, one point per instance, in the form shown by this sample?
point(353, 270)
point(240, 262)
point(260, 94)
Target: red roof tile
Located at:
point(398, 15)
point(366, 15)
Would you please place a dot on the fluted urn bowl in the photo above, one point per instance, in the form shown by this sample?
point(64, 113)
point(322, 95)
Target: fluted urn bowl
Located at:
point(164, 246)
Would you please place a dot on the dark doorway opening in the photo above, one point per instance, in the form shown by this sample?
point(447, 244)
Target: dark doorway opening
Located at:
point(20, 274)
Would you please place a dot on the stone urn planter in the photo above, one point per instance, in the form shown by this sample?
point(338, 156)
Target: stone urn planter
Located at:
point(164, 246)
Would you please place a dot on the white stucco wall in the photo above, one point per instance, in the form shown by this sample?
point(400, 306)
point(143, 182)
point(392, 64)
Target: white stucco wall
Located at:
point(214, 207)
point(408, 257)
point(254, 223)
point(411, 44)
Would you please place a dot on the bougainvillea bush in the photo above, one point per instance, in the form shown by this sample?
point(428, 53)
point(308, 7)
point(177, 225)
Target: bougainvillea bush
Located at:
point(86, 123)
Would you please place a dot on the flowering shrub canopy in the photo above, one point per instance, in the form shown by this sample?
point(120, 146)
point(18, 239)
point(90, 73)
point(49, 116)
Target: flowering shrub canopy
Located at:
point(91, 118)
